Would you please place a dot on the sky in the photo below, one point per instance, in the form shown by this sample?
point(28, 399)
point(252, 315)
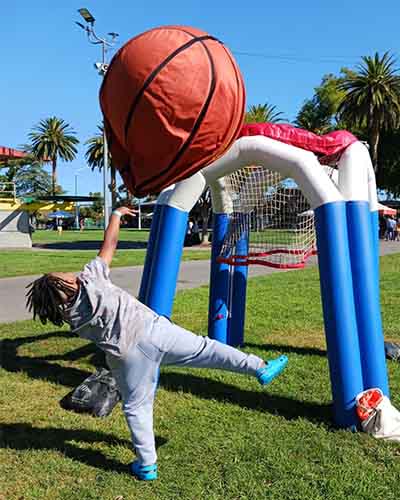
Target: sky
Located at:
point(283, 49)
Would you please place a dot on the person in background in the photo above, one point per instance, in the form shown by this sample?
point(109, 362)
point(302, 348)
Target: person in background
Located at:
point(397, 235)
point(59, 225)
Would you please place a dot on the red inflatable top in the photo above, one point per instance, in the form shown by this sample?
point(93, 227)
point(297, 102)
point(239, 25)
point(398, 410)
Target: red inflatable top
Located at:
point(327, 147)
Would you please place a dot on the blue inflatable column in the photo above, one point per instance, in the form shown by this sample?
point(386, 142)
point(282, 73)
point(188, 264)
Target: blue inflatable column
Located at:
point(151, 244)
point(375, 235)
point(166, 258)
point(219, 283)
point(339, 311)
point(363, 253)
point(238, 296)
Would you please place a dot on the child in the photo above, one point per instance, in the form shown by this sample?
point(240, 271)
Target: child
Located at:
point(135, 339)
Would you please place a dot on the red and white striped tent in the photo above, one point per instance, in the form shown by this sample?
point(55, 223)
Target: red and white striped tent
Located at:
point(384, 210)
point(10, 153)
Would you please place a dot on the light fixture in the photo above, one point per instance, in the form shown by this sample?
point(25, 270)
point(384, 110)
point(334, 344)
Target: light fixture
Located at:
point(87, 16)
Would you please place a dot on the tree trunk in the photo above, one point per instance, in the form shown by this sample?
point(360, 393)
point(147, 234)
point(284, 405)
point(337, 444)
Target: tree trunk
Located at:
point(374, 143)
point(204, 230)
point(205, 215)
point(113, 186)
point(53, 175)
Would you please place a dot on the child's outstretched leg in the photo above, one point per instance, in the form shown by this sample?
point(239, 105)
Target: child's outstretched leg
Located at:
point(183, 348)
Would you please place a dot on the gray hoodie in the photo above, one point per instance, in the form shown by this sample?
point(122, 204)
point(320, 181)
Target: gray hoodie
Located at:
point(105, 314)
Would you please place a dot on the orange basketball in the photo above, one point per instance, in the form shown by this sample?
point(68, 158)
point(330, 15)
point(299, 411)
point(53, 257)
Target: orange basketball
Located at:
point(173, 101)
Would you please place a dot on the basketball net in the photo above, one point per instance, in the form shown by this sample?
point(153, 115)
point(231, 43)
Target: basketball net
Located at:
point(274, 215)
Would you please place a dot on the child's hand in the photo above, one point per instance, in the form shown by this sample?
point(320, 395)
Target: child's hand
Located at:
point(127, 211)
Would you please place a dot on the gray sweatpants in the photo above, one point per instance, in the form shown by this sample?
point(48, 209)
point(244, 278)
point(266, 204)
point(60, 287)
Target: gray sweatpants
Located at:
point(137, 374)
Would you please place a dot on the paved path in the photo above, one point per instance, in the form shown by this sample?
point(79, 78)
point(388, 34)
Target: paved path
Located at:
point(192, 274)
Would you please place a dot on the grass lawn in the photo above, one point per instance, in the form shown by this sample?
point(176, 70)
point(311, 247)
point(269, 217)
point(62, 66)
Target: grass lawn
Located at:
point(42, 237)
point(277, 236)
point(220, 435)
point(68, 257)
point(26, 262)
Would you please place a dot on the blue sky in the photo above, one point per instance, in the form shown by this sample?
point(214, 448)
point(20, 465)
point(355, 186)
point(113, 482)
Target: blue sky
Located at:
point(47, 64)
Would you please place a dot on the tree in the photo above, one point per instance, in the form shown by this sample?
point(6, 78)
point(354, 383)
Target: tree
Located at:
point(29, 177)
point(372, 98)
point(50, 140)
point(314, 116)
point(33, 180)
point(95, 157)
point(389, 160)
point(318, 114)
point(204, 206)
point(262, 113)
point(98, 203)
point(95, 211)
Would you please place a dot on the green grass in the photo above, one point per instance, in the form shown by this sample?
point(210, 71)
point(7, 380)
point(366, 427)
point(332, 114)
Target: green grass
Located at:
point(26, 262)
point(73, 249)
point(277, 236)
point(42, 237)
point(220, 435)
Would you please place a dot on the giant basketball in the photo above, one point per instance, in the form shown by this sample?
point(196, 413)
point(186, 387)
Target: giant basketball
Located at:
point(173, 101)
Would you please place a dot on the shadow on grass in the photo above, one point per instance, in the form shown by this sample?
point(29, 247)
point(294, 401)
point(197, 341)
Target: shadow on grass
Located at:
point(22, 436)
point(41, 367)
point(209, 389)
point(89, 245)
point(287, 349)
point(205, 388)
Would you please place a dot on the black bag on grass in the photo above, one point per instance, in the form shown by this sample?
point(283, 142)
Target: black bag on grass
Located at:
point(392, 351)
point(97, 395)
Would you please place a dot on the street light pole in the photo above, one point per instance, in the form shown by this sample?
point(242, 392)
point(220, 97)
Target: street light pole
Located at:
point(105, 178)
point(76, 195)
point(106, 44)
point(76, 203)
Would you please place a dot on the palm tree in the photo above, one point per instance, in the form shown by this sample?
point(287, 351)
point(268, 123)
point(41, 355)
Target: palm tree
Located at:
point(314, 117)
point(51, 139)
point(95, 157)
point(262, 113)
point(372, 98)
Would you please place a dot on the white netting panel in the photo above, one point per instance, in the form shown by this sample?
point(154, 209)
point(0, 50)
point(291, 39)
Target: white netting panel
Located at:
point(275, 214)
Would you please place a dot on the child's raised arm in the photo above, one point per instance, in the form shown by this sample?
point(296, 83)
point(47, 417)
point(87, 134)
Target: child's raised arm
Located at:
point(112, 232)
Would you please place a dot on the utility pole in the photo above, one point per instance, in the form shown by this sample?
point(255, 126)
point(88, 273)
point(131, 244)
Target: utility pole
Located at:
point(76, 203)
point(106, 44)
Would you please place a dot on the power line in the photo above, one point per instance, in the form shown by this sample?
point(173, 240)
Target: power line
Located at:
point(300, 59)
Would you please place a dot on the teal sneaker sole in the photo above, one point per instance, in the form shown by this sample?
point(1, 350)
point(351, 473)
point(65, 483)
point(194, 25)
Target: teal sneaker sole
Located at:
point(273, 368)
point(144, 472)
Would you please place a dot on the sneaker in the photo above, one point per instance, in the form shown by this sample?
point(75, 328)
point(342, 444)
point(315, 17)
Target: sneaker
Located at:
point(273, 368)
point(144, 472)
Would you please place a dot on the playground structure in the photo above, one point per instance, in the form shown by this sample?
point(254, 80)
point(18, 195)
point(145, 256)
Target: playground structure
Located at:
point(195, 124)
point(15, 213)
point(14, 221)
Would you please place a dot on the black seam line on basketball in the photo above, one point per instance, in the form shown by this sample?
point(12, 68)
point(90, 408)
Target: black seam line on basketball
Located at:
point(114, 58)
point(197, 124)
point(127, 167)
point(155, 72)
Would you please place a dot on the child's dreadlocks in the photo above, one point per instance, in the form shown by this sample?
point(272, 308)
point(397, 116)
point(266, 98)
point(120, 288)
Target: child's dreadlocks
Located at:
point(46, 297)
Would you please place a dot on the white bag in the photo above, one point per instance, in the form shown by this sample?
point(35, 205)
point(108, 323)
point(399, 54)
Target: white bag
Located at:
point(383, 421)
